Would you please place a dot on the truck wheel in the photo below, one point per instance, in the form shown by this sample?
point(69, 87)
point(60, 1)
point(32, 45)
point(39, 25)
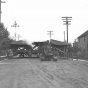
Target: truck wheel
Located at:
point(54, 59)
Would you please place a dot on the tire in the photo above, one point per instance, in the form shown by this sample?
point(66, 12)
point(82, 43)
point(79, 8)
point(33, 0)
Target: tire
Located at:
point(10, 57)
point(54, 59)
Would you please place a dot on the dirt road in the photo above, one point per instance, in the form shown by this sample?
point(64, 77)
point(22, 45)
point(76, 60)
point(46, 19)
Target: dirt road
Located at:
point(27, 73)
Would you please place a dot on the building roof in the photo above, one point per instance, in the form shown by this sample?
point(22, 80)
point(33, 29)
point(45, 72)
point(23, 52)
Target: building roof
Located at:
point(60, 43)
point(52, 41)
point(84, 34)
point(20, 43)
point(39, 42)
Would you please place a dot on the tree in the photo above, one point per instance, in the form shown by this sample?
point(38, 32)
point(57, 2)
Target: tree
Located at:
point(5, 40)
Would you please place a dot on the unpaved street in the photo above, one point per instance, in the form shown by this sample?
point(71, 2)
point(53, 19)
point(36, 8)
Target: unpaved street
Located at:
point(28, 73)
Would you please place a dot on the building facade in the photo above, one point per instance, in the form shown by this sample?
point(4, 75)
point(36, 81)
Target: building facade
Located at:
point(83, 43)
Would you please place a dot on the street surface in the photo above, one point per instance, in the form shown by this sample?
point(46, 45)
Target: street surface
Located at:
point(32, 73)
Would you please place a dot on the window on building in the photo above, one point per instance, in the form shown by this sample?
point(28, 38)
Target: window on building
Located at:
point(87, 47)
point(84, 38)
point(84, 50)
point(80, 49)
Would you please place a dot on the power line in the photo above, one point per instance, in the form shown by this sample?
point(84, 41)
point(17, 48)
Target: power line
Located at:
point(15, 25)
point(67, 20)
point(0, 8)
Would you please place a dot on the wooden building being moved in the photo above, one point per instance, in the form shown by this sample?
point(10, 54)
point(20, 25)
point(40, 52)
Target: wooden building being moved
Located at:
point(56, 45)
point(61, 46)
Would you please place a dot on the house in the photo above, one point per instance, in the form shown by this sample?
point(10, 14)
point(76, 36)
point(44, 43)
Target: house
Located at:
point(83, 43)
point(16, 44)
point(75, 47)
point(75, 44)
point(61, 46)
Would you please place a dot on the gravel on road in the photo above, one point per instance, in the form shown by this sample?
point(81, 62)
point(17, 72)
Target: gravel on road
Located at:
point(33, 73)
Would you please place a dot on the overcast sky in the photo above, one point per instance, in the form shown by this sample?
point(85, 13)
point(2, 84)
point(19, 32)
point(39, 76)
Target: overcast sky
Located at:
point(36, 17)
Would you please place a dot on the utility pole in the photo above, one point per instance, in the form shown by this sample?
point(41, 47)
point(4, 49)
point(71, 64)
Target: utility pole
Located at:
point(64, 36)
point(50, 33)
point(18, 37)
point(67, 20)
point(0, 8)
point(15, 25)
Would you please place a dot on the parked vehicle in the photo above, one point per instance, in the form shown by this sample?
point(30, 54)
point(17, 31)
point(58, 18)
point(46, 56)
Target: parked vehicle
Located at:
point(45, 51)
point(47, 54)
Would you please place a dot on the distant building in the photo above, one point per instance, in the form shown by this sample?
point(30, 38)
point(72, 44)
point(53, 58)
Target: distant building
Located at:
point(75, 44)
point(83, 43)
point(61, 46)
point(76, 47)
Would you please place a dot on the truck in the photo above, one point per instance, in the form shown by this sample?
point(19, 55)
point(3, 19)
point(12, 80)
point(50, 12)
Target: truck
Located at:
point(45, 51)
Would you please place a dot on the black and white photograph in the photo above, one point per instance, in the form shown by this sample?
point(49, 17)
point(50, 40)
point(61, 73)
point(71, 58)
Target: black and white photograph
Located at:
point(43, 43)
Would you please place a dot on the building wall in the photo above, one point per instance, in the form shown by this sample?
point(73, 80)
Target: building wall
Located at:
point(83, 45)
point(75, 44)
point(87, 45)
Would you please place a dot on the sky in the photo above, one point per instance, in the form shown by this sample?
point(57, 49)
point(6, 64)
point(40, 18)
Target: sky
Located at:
point(36, 17)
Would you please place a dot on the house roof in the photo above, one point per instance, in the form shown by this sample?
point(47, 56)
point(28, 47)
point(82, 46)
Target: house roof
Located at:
point(52, 41)
point(56, 42)
point(84, 34)
point(39, 42)
point(20, 43)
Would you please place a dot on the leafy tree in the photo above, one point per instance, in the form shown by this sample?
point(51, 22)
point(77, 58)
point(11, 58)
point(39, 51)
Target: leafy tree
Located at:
point(5, 40)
